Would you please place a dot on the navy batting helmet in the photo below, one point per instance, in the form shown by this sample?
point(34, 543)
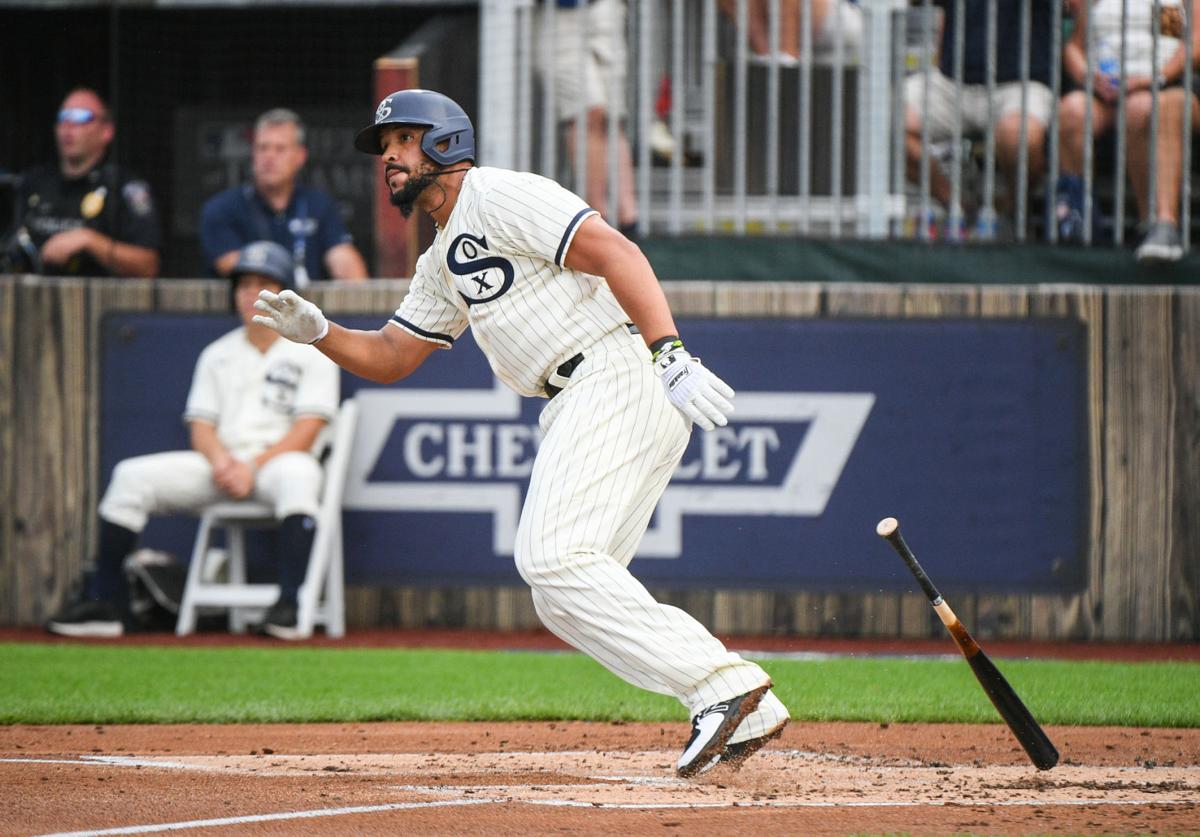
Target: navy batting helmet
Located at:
point(266, 258)
point(446, 121)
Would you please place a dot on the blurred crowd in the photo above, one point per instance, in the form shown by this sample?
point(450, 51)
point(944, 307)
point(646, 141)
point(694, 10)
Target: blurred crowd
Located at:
point(1118, 56)
point(86, 215)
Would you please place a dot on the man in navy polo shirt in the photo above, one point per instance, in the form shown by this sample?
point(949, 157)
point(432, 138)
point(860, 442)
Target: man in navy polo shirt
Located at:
point(276, 208)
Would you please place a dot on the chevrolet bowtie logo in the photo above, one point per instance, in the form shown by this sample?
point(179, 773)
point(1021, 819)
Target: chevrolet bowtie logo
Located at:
point(834, 421)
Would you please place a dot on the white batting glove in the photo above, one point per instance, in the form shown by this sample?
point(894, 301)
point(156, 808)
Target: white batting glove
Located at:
point(291, 316)
point(691, 388)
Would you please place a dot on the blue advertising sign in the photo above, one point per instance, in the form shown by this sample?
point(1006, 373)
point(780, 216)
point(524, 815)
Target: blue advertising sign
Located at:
point(971, 432)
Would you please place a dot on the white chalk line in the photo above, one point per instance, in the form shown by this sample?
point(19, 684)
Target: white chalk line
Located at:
point(136, 761)
point(112, 761)
point(286, 815)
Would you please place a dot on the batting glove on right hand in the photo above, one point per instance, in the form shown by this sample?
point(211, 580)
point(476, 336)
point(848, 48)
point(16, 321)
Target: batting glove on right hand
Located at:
point(291, 316)
point(692, 389)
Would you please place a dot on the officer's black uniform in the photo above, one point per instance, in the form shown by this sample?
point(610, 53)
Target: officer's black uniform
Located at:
point(106, 199)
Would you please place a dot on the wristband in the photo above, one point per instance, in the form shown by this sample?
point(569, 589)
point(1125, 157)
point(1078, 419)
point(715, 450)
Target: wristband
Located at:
point(664, 344)
point(321, 336)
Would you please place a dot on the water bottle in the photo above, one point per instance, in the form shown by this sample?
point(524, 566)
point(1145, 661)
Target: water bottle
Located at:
point(1108, 63)
point(956, 225)
point(928, 229)
point(985, 225)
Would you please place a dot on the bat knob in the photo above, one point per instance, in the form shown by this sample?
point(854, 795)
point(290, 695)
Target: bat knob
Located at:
point(887, 527)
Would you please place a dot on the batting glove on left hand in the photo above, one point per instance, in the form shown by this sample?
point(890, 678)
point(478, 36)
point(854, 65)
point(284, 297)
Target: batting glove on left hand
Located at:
point(692, 389)
point(293, 317)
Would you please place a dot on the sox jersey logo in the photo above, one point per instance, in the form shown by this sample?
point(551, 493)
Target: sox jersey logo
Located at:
point(478, 277)
point(498, 266)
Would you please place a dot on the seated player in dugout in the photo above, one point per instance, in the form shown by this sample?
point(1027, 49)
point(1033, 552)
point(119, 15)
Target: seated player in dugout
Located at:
point(567, 309)
point(256, 408)
point(84, 215)
point(277, 206)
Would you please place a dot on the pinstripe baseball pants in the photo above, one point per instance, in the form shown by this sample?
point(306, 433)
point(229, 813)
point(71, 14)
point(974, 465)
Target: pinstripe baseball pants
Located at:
point(180, 482)
point(612, 442)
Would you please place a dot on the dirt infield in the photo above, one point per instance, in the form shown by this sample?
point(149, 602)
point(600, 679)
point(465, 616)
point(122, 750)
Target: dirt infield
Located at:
point(525, 779)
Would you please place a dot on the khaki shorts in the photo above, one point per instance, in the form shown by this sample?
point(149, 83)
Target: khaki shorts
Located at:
point(588, 51)
point(974, 103)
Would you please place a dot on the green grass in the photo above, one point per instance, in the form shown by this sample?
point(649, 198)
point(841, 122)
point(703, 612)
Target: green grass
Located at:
point(58, 684)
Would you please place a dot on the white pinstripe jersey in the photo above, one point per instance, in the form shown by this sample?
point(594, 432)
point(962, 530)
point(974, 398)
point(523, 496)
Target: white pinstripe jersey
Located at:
point(253, 398)
point(498, 267)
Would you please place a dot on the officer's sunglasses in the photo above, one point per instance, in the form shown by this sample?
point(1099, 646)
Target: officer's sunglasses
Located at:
point(76, 116)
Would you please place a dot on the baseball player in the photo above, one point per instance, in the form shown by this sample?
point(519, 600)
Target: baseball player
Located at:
point(256, 407)
point(564, 307)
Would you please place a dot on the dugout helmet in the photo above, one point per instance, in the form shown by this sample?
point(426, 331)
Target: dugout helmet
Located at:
point(443, 116)
point(266, 258)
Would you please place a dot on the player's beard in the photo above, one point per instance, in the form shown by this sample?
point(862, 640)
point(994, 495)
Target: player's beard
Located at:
point(405, 198)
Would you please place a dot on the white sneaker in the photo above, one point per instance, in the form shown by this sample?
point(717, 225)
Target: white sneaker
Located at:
point(661, 142)
point(783, 59)
point(1161, 244)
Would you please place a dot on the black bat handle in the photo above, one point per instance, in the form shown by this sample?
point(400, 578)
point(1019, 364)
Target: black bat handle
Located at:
point(889, 528)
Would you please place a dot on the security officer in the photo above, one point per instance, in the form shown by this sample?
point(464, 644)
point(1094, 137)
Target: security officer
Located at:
point(86, 216)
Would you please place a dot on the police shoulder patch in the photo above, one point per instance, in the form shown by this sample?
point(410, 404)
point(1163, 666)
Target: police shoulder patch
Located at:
point(137, 195)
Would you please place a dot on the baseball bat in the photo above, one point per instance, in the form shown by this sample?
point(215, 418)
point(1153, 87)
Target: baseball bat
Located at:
point(1023, 725)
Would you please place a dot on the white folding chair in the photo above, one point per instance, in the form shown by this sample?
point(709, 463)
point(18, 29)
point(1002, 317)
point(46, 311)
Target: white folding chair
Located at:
point(245, 602)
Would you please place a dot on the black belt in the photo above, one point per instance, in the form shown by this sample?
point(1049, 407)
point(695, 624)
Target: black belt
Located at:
point(563, 372)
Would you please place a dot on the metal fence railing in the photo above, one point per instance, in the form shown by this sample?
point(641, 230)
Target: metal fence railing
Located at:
point(845, 119)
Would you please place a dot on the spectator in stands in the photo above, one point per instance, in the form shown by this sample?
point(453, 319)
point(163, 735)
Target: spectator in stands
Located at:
point(824, 28)
point(1006, 105)
point(276, 207)
point(256, 407)
point(1162, 241)
point(85, 216)
point(585, 75)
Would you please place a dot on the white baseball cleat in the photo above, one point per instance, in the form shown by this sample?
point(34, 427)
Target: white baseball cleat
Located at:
point(712, 729)
point(761, 726)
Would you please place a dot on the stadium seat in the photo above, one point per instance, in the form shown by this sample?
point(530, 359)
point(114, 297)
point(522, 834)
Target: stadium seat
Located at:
point(247, 602)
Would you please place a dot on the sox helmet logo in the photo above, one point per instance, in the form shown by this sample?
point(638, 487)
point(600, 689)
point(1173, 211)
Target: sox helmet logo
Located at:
point(447, 123)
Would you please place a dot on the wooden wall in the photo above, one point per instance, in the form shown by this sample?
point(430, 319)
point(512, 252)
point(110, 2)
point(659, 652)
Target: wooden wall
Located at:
point(1144, 414)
